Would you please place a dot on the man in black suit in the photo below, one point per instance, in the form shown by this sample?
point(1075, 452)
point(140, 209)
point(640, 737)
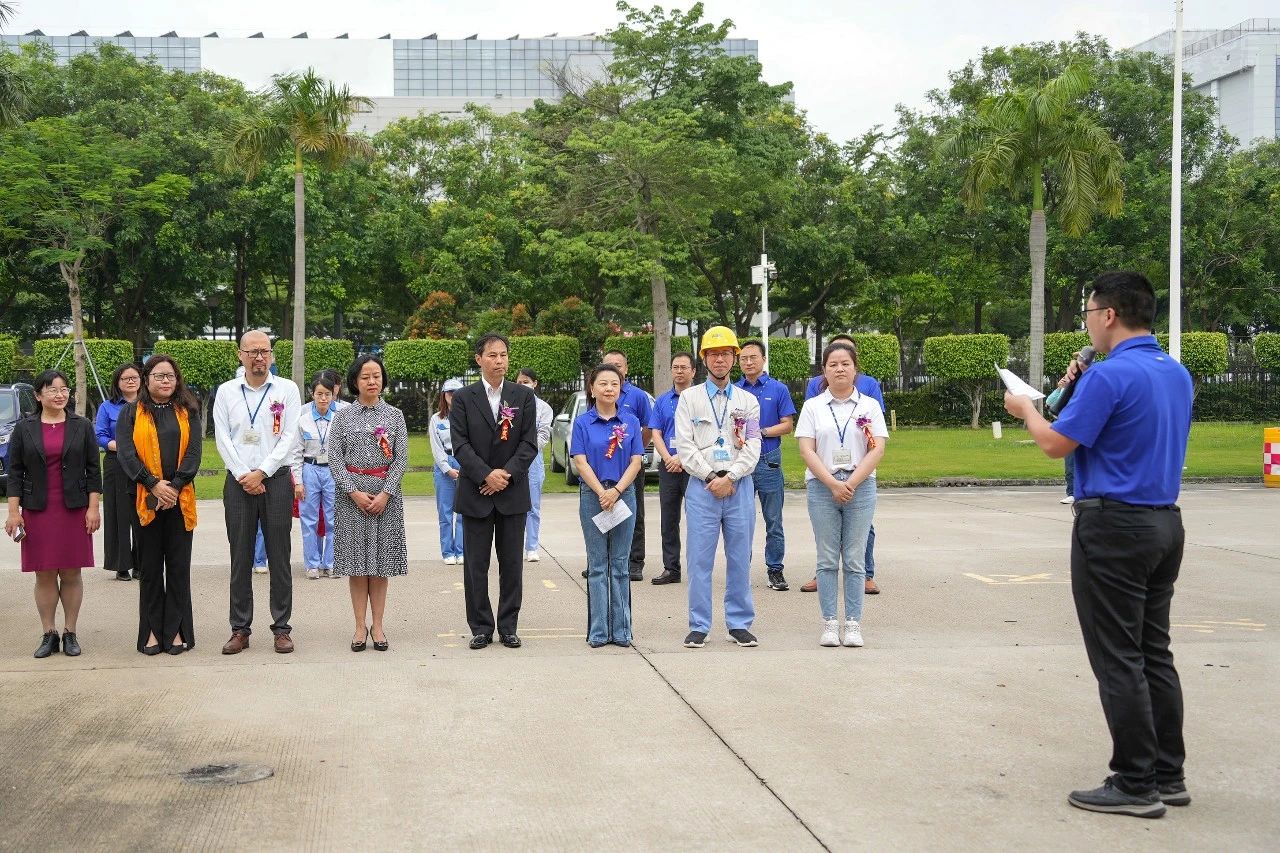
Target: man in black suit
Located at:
point(495, 436)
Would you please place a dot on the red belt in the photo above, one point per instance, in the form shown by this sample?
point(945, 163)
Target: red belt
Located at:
point(369, 472)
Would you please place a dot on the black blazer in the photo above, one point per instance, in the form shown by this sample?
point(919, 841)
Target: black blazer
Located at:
point(81, 466)
point(478, 447)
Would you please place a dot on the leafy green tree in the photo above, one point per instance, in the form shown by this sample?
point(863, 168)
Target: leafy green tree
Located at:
point(13, 87)
point(1020, 139)
point(305, 116)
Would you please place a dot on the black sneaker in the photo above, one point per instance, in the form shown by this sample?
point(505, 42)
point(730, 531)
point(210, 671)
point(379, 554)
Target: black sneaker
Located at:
point(123, 575)
point(742, 637)
point(637, 574)
point(777, 581)
point(1174, 794)
point(695, 640)
point(1112, 800)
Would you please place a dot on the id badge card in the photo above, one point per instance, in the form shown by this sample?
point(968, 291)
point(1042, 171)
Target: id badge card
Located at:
point(720, 455)
point(251, 437)
point(322, 459)
point(842, 456)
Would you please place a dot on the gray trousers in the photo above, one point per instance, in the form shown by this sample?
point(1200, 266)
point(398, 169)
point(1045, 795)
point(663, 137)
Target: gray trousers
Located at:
point(243, 513)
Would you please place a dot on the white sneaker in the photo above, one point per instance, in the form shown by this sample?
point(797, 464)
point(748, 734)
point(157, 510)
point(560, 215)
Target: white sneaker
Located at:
point(450, 561)
point(259, 570)
point(313, 574)
point(830, 635)
point(1069, 499)
point(532, 557)
point(852, 635)
point(327, 573)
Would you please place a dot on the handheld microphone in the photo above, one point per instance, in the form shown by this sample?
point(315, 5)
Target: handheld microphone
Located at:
point(1085, 359)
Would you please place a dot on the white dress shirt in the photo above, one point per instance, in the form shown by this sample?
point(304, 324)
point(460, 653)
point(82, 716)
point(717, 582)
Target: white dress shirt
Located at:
point(823, 418)
point(240, 411)
point(494, 393)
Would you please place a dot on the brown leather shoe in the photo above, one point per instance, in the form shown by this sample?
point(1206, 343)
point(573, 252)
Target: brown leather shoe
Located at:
point(238, 643)
point(284, 645)
point(811, 586)
point(870, 587)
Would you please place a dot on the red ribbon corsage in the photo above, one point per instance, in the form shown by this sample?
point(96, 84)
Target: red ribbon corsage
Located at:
point(619, 435)
point(864, 421)
point(506, 416)
point(277, 409)
point(380, 433)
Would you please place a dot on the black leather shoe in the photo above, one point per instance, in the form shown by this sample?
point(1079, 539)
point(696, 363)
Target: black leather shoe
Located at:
point(511, 641)
point(479, 641)
point(667, 576)
point(360, 646)
point(177, 648)
point(637, 574)
point(149, 651)
point(48, 644)
point(123, 575)
point(381, 647)
point(136, 574)
point(70, 645)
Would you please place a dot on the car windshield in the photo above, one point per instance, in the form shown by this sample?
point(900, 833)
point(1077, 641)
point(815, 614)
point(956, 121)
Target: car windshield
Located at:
point(8, 408)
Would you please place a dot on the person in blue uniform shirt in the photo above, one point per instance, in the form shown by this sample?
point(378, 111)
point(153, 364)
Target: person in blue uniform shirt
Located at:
point(318, 492)
point(777, 418)
point(718, 439)
point(636, 401)
point(672, 479)
point(1127, 424)
point(608, 453)
point(867, 386)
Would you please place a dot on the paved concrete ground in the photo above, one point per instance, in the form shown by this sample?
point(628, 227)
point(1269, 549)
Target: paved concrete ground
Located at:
point(961, 725)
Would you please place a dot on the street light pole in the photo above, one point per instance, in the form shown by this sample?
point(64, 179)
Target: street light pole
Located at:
point(1175, 199)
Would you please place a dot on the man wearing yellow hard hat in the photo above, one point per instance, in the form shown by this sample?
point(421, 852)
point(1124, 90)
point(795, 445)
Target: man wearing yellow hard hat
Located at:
point(718, 442)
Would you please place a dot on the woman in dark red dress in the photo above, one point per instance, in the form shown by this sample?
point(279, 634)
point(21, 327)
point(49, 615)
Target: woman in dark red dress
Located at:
point(54, 486)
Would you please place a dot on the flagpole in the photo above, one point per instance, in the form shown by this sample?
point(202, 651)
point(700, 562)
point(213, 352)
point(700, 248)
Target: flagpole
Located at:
point(1175, 199)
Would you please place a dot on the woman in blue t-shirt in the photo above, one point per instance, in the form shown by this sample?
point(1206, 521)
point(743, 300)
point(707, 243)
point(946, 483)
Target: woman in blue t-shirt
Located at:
point(608, 452)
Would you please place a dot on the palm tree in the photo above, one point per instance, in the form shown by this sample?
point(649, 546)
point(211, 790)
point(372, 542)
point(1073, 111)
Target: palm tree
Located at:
point(13, 87)
point(1020, 137)
point(308, 116)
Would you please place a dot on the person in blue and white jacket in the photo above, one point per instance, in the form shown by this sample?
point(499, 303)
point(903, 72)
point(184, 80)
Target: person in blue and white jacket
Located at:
point(445, 471)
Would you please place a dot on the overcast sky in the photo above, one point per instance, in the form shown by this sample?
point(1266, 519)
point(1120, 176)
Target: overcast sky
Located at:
point(851, 60)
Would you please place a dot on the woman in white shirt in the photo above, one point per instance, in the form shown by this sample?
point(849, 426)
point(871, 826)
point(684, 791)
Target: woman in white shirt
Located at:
point(446, 471)
point(842, 436)
point(315, 507)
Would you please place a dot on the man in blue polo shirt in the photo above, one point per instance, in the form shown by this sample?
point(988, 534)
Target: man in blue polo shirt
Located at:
point(672, 479)
point(777, 418)
point(636, 401)
point(868, 386)
point(1127, 424)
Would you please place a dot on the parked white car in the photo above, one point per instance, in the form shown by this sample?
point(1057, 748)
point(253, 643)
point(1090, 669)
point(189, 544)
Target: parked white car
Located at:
point(562, 429)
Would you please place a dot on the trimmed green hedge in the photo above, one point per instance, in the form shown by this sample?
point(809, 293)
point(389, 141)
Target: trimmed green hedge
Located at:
point(321, 354)
point(1058, 349)
point(426, 359)
point(1237, 401)
point(789, 359)
point(553, 357)
point(944, 404)
point(8, 349)
point(1203, 353)
point(204, 364)
point(968, 360)
point(878, 355)
point(1266, 350)
point(639, 351)
point(107, 355)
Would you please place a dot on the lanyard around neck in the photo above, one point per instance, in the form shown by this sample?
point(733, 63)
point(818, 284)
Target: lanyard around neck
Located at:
point(253, 415)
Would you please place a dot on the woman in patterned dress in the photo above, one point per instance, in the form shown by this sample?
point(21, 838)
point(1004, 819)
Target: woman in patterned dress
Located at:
point(368, 455)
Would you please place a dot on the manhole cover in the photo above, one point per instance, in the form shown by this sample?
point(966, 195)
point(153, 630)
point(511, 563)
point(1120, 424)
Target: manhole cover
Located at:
point(227, 774)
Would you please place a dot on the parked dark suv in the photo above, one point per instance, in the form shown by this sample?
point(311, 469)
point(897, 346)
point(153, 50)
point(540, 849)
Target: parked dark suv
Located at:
point(16, 401)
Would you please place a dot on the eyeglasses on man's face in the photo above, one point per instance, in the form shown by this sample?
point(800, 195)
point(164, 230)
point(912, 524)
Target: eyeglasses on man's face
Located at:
point(1084, 314)
point(256, 353)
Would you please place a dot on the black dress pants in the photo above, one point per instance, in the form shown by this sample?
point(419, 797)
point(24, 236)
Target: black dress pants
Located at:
point(637, 538)
point(1124, 561)
point(243, 513)
point(671, 488)
point(164, 581)
point(119, 517)
point(480, 537)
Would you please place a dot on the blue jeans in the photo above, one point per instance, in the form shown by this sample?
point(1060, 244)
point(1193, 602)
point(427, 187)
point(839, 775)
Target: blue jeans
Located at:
point(707, 517)
point(1069, 469)
point(608, 570)
point(769, 487)
point(450, 522)
point(840, 531)
point(871, 553)
point(317, 482)
point(533, 521)
point(260, 549)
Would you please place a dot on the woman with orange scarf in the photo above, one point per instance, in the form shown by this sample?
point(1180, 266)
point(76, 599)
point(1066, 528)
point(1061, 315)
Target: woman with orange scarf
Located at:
point(159, 450)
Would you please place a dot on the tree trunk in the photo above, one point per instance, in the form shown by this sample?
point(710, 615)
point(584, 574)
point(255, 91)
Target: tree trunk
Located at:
point(240, 286)
point(71, 275)
point(1038, 242)
point(975, 400)
point(977, 316)
point(299, 277)
point(661, 333)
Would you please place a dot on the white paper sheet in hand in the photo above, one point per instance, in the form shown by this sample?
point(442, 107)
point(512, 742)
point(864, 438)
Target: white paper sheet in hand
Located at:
point(1016, 385)
point(611, 518)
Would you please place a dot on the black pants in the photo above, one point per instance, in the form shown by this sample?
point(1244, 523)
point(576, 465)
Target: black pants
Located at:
point(671, 488)
point(164, 581)
point(1124, 561)
point(119, 517)
point(637, 538)
point(243, 513)
point(480, 536)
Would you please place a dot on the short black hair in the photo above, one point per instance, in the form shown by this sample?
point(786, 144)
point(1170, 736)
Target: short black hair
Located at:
point(488, 338)
point(750, 342)
point(843, 336)
point(328, 379)
point(591, 380)
point(687, 355)
point(45, 379)
point(353, 373)
point(529, 372)
point(114, 388)
point(1130, 295)
point(608, 353)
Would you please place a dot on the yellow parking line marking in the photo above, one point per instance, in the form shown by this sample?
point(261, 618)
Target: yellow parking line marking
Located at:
point(550, 585)
point(1209, 626)
point(1015, 580)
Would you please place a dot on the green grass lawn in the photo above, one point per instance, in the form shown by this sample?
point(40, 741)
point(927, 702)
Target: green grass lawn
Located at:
point(917, 456)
